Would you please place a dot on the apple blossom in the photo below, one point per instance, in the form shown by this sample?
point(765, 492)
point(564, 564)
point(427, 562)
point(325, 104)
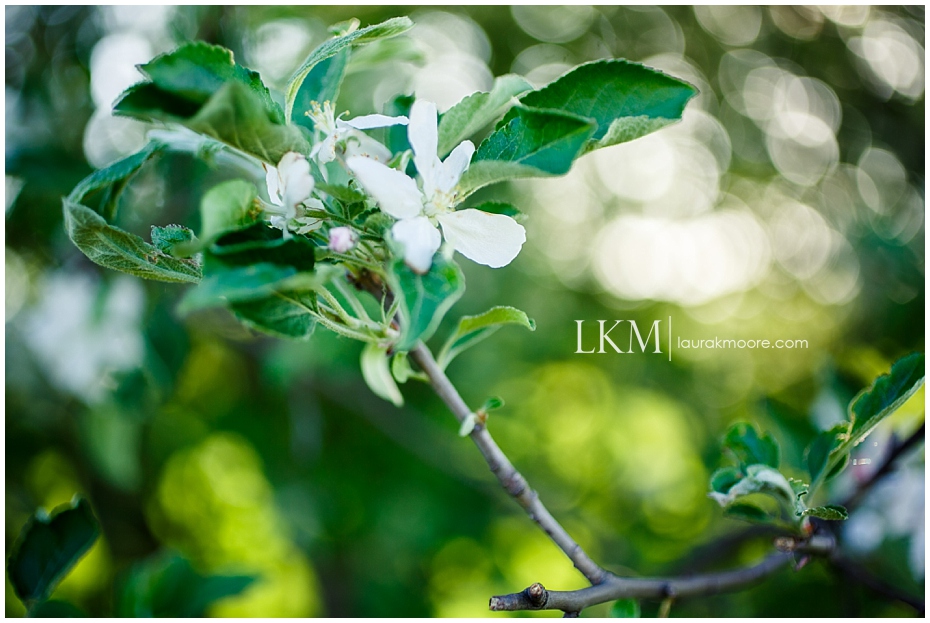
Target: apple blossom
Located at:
point(490, 239)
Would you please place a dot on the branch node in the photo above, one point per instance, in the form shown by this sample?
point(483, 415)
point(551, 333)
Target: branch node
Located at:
point(537, 595)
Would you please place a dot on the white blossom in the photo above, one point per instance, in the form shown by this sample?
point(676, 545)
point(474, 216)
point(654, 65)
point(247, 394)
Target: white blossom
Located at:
point(290, 186)
point(339, 132)
point(490, 239)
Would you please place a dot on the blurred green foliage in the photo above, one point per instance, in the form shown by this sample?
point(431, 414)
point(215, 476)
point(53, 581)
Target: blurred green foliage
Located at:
point(254, 457)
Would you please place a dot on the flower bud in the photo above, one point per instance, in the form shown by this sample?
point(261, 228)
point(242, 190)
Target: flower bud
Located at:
point(342, 239)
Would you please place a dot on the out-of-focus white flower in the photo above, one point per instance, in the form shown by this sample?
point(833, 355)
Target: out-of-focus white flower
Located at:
point(490, 239)
point(342, 239)
point(337, 131)
point(289, 188)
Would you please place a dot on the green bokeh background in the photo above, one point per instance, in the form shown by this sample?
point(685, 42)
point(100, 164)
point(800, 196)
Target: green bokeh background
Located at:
point(254, 456)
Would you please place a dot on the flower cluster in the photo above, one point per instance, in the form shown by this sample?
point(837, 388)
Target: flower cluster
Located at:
point(424, 209)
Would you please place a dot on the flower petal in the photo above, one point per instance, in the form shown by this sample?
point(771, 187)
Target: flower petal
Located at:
point(423, 134)
point(296, 180)
point(456, 163)
point(358, 144)
point(271, 181)
point(421, 240)
point(489, 239)
point(396, 193)
point(367, 122)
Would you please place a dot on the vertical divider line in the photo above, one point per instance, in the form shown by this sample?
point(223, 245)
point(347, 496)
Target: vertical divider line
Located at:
point(670, 338)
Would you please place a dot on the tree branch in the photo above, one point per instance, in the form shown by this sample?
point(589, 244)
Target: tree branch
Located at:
point(536, 597)
point(605, 586)
point(512, 480)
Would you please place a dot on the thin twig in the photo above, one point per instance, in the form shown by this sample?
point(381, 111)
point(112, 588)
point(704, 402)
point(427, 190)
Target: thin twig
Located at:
point(512, 481)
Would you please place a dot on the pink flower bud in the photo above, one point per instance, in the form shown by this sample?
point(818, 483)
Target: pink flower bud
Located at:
point(341, 239)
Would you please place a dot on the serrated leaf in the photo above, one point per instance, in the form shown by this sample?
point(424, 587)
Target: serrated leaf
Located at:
point(168, 586)
point(48, 547)
point(377, 375)
point(478, 110)
point(625, 609)
point(473, 329)
point(166, 238)
point(110, 246)
point(528, 142)
point(828, 453)
point(749, 448)
point(424, 299)
point(830, 512)
point(626, 100)
point(330, 48)
point(197, 70)
point(281, 314)
point(885, 396)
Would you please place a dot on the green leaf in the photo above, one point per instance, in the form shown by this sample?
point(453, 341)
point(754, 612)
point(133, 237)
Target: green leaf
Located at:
point(819, 451)
point(197, 70)
point(626, 100)
point(424, 299)
point(473, 329)
point(345, 194)
point(281, 314)
point(722, 480)
point(828, 453)
point(227, 207)
point(752, 513)
point(235, 116)
point(165, 238)
point(625, 609)
point(500, 207)
point(749, 448)
point(491, 404)
point(202, 88)
point(528, 142)
point(377, 375)
point(110, 246)
point(48, 547)
point(330, 48)
point(397, 50)
point(830, 512)
point(167, 586)
point(885, 396)
point(55, 609)
point(759, 479)
point(478, 110)
point(260, 243)
point(235, 285)
point(320, 85)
